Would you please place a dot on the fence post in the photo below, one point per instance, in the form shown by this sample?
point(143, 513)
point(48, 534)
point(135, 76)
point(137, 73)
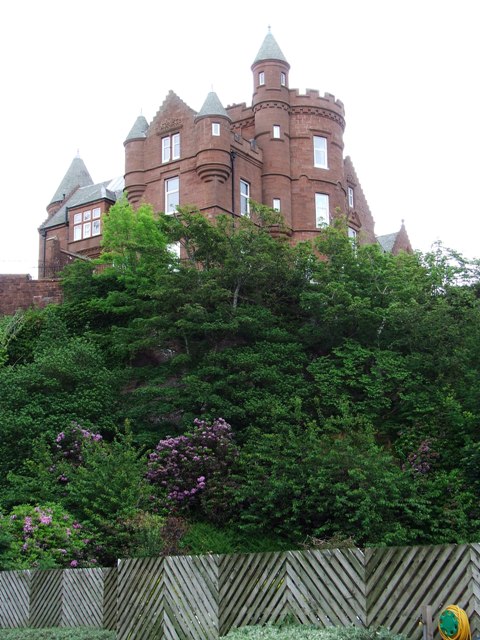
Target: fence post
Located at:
point(427, 622)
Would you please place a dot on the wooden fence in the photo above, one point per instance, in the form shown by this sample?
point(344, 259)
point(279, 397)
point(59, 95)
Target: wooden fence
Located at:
point(203, 597)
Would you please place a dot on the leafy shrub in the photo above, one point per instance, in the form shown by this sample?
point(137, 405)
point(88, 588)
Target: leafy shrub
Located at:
point(43, 537)
point(192, 471)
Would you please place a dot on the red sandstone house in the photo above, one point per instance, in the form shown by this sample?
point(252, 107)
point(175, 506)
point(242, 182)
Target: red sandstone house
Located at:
point(285, 151)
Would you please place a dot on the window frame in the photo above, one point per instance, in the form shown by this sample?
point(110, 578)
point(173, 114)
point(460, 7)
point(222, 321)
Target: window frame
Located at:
point(171, 147)
point(215, 128)
point(351, 200)
point(320, 149)
point(283, 79)
point(322, 204)
point(261, 78)
point(169, 192)
point(276, 132)
point(244, 198)
point(276, 204)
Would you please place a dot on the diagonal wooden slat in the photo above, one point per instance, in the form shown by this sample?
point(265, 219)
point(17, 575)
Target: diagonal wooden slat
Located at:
point(14, 598)
point(110, 599)
point(140, 599)
point(474, 608)
point(404, 579)
point(326, 587)
point(252, 589)
point(82, 603)
point(191, 597)
point(46, 599)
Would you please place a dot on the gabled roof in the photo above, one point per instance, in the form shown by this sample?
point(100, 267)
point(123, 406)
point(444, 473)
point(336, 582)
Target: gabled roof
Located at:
point(109, 190)
point(139, 129)
point(270, 50)
point(387, 242)
point(77, 176)
point(212, 107)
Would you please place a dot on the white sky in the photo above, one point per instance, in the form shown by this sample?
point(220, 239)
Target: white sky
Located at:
point(76, 76)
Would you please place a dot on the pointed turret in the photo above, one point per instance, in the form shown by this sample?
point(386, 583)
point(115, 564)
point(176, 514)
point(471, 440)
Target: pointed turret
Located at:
point(77, 176)
point(213, 140)
point(139, 129)
point(269, 50)
point(212, 107)
point(271, 108)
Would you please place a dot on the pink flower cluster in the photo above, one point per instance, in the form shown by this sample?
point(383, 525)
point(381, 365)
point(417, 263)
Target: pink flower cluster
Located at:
point(184, 465)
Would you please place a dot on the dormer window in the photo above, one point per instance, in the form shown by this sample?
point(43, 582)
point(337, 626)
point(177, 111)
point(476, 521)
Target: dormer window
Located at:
point(261, 78)
point(171, 147)
point(215, 128)
point(283, 79)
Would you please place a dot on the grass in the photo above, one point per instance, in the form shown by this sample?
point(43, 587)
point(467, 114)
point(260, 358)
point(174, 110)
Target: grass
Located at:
point(56, 634)
point(303, 632)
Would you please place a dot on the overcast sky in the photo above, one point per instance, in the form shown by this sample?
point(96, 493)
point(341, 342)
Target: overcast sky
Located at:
point(76, 75)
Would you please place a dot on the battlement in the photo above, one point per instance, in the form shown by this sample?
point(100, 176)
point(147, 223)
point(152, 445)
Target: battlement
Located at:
point(312, 98)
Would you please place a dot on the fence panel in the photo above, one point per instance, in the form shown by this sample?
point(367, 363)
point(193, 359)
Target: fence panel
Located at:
point(252, 589)
point(82, 598)
point(46, 598)
point(110, 592)
point(401, 579)
point(14, 599)
point(191, 597)
point(327, 588)
point(140, 599)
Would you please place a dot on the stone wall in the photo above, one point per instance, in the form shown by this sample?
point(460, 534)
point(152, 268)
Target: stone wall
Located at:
point(20, 291)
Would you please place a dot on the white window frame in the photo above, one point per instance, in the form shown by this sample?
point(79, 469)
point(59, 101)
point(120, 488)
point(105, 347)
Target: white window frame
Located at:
point(172, 195)
point(171, 147)
point(276, 131)
point(77, 232)
point(96, 227)
point(96, 213)
point(244, 198)
point(215, 128)
point(352, 233)
point(261, 78)
point(77, 218)
point(322, 210)
point(320, 152)
point(87, 215)
point(276, 204)
point(87, 230)
point(175, 146)
point(350, 197)
point(283, 79)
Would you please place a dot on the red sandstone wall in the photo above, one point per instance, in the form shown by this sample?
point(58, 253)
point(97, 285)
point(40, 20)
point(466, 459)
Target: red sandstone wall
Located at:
point(21, 292)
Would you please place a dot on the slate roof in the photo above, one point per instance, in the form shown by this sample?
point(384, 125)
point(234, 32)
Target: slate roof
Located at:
point(139, 129)
point(270, 50)
point(109, 190)
point(77, 176)
point(212, 107)
point(387, 242)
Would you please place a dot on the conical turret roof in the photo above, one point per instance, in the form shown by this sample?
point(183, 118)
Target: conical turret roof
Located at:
point(76, 176)
point(139, 129)
point(270, 50)
point(212, 107)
